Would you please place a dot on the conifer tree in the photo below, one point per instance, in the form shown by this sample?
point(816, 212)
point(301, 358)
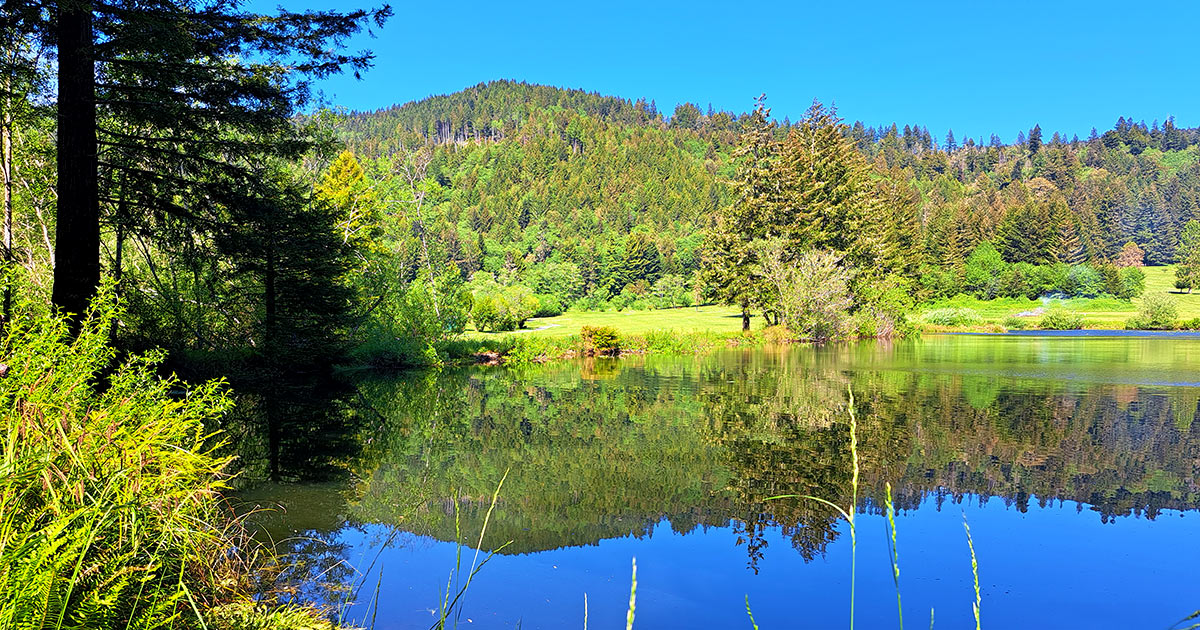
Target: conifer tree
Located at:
point(183, 102)
point(727, 256)
point(1187, 257)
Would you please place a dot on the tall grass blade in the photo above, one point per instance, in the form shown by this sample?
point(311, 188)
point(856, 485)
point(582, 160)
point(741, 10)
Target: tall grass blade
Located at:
point(751, 613)
point(974, 570)
point(632, 597)
point(1195, 615)
point(893, 550)
point(853, 502)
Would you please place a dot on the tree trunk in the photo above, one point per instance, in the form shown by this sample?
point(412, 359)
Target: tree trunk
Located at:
point(6, 168)
point(269, 322)
point(77, 268)
point(745, 319)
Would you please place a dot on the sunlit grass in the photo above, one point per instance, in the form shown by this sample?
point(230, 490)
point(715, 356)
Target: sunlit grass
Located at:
point(1097, 313)
point(711, 318)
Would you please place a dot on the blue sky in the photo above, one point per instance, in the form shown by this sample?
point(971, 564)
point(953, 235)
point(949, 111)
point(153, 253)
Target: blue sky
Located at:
point(978, 67)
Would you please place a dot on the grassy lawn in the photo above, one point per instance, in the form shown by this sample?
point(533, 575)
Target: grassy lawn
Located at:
point(1097, 313)
point(719, 319)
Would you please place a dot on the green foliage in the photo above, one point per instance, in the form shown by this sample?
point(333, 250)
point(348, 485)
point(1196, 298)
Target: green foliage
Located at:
point(1059, 318)
point(812, 292)
point(1158, 311)
point(110, 506)
point(548, 306)
point(1084, 281)
point(1187, 272)
point(951, 317)
point(498, 307)
point(984, 272)
point(1133, 283)
point(1189, 324)
point(886, 303)
point(937, 282)
point(602, 340)
point(1012, 322)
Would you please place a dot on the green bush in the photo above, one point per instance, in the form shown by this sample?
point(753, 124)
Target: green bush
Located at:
point(1158, 311)
point(1012, 322)
point(951, 317)
point(937, 282)
point(500, 308)
point(600, 340)
point(1083, 281)
point(1188, 324)
point(984, 271)
point(549, 305)
point(1133, 283)
point(111, 513)
point(1058, 318)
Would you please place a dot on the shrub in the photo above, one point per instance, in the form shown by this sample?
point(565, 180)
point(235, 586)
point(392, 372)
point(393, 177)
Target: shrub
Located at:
point(1133, 283)
point(951, 317)
point(548, 306)
point(937, 282)
point(1083, 281)
point(485, 313)
point(813, 290)
point(602, 340)
point(776, 334)
point(1131, 256)
point(1058, 318)
point(110, 506)
point(1157, 312)
point(498, 308)
point(590, 302)
point(885, 304)
point(984, 271)
point(1012, 322)
point(1188, 324)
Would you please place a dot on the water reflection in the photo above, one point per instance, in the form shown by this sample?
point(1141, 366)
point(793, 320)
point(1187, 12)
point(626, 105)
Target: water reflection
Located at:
point(604, 450)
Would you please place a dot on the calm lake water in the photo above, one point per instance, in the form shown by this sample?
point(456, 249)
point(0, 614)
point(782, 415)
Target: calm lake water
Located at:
point(1076, 462)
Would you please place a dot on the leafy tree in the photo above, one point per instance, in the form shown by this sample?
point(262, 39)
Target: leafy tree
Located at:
point(345, 187)
point(1130, 256)
point(984, 271)
point(1133, 283)
point(1187, 256)
point(812, 292)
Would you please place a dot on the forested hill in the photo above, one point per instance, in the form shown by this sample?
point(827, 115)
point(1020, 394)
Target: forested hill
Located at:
point(526, 172)
point(533, 174)
point(491, 111)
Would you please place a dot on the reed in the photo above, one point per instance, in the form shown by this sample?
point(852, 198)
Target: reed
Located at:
point(893, 550)
point(111, 507)
point(632, 597)
point(974, 570)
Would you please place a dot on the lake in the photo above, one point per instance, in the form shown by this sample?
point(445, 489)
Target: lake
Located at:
point(1074, 460)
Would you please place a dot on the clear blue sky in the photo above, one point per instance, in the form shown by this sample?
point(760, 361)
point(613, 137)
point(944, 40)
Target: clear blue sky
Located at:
point(976, 66)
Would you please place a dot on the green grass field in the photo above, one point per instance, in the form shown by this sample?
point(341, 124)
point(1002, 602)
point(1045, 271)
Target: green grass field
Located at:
point(712, 318)
point(1097, 313)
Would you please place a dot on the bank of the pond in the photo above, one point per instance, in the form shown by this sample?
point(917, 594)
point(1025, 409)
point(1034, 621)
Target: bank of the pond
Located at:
point(112, 493)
